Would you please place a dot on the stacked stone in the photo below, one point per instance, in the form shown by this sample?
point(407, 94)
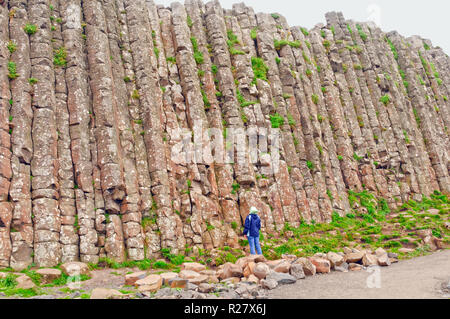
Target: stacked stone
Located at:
point(130, 209)
point(68, 236)
point(401, 118)
point(105, 132)
point(365, 134)
point(219, 173)
point(311, 119)
point(431, 124)
point(5, 143)
point(44, 164)
point(145, 66)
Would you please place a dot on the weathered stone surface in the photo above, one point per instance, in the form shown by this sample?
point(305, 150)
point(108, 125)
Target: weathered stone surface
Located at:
point(308, 267)
point(48, 274)
point(297, 272)
point(193, 266)
point(131, 279)
point(281, 278)
point(261, 270)
point(104, 293)
point(354, 257)
point(75, 268)
point(322, 265)
point(150, 283)
point(370, 260)
point(24, 282)
point(335, 259)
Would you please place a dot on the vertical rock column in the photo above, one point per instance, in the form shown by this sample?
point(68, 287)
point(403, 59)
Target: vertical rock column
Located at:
point(218, 173)
point(149, 95)
point(44, 163)
point(130, 209)
point(80, 116)
point(21, 116)
point(69, 235)
point(5, 142)
point(105, 131)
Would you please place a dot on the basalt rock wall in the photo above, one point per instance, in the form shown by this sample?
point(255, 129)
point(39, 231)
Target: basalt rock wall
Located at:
point(94, 95)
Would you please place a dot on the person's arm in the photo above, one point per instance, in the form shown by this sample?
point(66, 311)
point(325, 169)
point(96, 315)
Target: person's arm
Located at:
point(246, 226)
point(258, 223)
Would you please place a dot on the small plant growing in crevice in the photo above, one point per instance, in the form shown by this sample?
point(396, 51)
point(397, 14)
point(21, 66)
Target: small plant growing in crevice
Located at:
point(30, 29)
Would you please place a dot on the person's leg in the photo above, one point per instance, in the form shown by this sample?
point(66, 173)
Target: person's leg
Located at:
point(251, 242)
point(258, 246)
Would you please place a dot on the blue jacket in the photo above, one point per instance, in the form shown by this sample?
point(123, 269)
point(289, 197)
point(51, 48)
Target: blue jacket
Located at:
point(252, 225)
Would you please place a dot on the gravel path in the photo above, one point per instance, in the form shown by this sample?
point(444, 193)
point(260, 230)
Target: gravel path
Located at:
point(417, 278)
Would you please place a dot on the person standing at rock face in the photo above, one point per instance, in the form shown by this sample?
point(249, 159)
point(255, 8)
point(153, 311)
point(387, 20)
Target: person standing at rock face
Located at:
point(251, 230)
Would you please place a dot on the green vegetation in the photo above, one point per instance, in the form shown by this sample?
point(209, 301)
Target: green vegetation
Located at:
point(304, 31)
point(171, 59)
point(275, 16)
point(59, 57)
point(235, 187)
point(30, 29)
point(281, 43)
point(260, 69)
point(361, 33)
point(254, 33)
point(315, 99)
point(198, 56)
point(371, 226)
point(385, 99)
point(11, 46)
point(232, 41)
point(243, 102)
point(12, 70)
point(393, 48)
point(310, 165)
point(276, 120)
point(189, 21)
point(32, 81)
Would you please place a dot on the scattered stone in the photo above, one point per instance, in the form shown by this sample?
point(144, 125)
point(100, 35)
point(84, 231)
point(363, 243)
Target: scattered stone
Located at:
point(354, 267)
point(273, 263)
point(430, 242)
point(281, 278)
point(322, 265)
point(75, 268)
point(269, 284)
point(380, 252)
point(347, 250)
point(104, 293)
point(297, 271)
point(253, 279)
point(231, 270)
point(178, 283)
point(131, 279)
point(370, 260)
point(308, 267)
point(168, 276)
point(261, 270)
point(188, 274)
point(384, 260)
point(48, 274)
point(335, 259)
point(342, 268)
point(231, 280)
point(392, 255)
point(199, 280)
point(206, 288)
point(283, 267)
point(193, 266)
point(24, 282)
point(354, 257)
point(150, 283)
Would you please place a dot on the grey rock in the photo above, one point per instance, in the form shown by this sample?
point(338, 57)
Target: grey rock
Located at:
point(282, 278)
point(297, 271)
point(269, 284)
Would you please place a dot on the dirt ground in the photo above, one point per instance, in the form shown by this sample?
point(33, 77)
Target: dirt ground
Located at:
point(419, 278)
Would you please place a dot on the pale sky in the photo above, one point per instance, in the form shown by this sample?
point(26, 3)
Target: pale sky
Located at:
point(430, 18)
